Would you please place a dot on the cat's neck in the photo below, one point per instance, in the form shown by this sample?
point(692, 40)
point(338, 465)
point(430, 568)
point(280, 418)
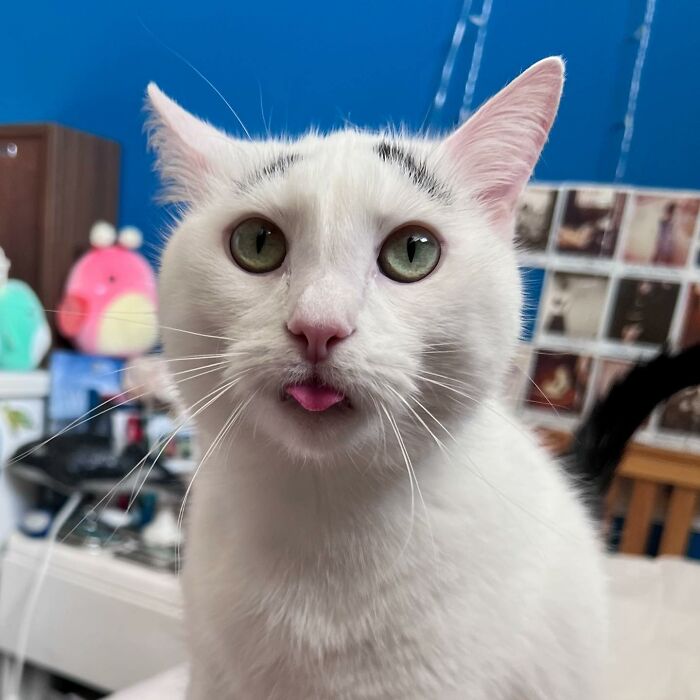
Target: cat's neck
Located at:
point(288, 503)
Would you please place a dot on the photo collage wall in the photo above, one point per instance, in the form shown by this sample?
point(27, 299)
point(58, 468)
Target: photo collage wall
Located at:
point(610, 275)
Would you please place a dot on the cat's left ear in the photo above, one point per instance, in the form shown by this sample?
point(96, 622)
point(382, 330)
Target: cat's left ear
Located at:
point(189, 150)
point(495, 150)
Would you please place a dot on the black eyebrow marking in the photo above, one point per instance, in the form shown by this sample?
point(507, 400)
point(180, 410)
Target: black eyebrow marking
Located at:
point(278, 166)
point(416, 170)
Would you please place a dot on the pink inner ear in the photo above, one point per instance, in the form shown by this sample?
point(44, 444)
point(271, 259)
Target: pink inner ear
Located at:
point(496, 150)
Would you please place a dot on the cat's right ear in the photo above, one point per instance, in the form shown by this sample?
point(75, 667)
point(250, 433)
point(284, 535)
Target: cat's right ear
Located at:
point(495, 150)
point(188, 149)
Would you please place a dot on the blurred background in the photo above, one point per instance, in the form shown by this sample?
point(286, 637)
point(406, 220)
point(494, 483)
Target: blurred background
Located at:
point(285, 67)
point(608, 241)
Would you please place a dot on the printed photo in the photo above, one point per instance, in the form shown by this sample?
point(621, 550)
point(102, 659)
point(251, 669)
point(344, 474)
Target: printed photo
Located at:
point(661, 230)
point(532, 279)
point(691, 322)
point(573, 304)
point(591, 222)
point(561, 380)
point(534, 218)
point(643, 310)
point(682, 412)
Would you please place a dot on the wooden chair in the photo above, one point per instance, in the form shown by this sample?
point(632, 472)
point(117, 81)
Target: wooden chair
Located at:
point(653, 471)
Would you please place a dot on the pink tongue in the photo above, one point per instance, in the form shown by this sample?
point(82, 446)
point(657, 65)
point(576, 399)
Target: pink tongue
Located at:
point(314, 397)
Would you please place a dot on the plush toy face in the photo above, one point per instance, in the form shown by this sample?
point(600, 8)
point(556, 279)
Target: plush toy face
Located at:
point(24, 333)
point(109, 305)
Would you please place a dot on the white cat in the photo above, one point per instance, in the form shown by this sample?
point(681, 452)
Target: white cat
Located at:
point(369, 521)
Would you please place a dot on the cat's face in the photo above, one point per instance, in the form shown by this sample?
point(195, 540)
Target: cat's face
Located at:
point(358, 284)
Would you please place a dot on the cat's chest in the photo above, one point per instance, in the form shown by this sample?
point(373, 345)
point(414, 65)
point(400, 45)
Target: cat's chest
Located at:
point(417, 636)
point(324, 638)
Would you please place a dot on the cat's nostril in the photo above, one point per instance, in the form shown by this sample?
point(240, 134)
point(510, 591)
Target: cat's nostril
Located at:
point(318, 338)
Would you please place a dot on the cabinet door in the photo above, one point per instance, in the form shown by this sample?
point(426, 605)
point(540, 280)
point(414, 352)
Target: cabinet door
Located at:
point(21, 204)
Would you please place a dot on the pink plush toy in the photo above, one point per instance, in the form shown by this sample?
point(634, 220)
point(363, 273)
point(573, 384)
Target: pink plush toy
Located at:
point(109, 303)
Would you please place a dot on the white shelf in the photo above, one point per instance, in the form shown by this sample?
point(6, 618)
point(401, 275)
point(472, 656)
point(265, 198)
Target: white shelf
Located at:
point(24, 385)
point(103, 621)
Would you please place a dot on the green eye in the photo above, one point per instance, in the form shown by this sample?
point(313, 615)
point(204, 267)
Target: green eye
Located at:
point(258, 245)
point(409, 254)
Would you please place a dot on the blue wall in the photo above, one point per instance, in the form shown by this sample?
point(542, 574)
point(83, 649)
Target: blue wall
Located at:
point(319, 62)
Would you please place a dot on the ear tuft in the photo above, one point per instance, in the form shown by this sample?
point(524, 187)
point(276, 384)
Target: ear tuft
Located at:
point(496, 150)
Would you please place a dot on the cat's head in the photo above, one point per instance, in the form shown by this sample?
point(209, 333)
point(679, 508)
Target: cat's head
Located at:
point(353, 284)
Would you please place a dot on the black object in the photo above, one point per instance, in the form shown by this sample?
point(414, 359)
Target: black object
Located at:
point(87, 462)
point(599, 442)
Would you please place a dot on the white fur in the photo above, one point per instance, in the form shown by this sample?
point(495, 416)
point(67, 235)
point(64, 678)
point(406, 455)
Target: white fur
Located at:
point(315, 568)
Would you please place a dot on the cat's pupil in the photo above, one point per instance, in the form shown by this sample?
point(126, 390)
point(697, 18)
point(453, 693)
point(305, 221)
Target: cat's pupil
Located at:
point(260, 240)
point(411, 247)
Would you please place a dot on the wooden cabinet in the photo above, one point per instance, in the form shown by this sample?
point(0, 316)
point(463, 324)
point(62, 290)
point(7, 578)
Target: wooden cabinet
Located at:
point(54, 184)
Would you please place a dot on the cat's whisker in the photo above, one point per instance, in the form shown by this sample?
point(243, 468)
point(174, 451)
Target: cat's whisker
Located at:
point(123, 316)
point(238, 411)
point(86, 417)
point(381, 423)
point(199, 73)
point(450, 345)
point(414, 480)
point(549, 524)
point(537, 386)
point(108, 496)
point(196, 372)
point(262, 113)
point(209, 356)
point(352, 461)
point(476, 402)
point(228, 386)
point(455, 380)
point(410, 480)
point(439, 423)
point(481, 476)
point(437, 440)
point(184, 358)
point(190, 370)
point(447, 386)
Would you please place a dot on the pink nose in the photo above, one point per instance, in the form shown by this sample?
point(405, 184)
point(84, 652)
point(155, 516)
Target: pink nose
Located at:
point(319, 338)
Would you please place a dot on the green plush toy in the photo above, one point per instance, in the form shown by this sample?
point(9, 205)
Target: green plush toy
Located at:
point(24, 332)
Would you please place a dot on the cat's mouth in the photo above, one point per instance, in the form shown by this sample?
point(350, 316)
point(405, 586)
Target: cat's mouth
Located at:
point(315, 396)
